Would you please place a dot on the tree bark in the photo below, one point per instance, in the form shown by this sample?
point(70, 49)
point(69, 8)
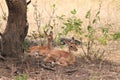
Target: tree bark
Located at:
point(16, 28)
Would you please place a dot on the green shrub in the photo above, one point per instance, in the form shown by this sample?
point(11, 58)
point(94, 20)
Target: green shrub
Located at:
point(116, 36)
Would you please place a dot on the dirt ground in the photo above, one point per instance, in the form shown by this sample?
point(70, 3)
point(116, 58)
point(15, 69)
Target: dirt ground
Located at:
point(81, 70)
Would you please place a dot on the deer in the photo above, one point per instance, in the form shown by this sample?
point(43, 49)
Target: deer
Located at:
point(61, 57)
point(42, 50)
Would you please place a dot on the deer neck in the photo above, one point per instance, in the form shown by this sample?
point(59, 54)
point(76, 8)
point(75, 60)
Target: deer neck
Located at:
point(71, 57)
point(49, 45)
point(69, 50)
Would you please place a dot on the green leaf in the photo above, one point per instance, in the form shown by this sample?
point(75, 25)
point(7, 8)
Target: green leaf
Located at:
point(62, 27)
point(104, 30)
point(116, 36)
point(97, 13)
point(73, 11)
point(61, 17)
point(98, 18)
point(89, 28)
point(4, 17)
point(102, 40)
point(86, 35)
point(59, 34)
point(94, 21)
point(88, 14)
point(53, 5)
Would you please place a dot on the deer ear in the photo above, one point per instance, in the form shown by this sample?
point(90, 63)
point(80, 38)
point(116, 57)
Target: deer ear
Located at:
point(51, 33)
point(72, 40)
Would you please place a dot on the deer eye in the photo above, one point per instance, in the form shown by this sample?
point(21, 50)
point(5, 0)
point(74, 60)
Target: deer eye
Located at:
point(71, 46)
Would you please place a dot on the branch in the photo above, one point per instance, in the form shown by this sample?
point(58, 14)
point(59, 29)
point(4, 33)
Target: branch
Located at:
point(1, 35)
point(2, 58)
point(28, 2)
point(85, 54)
point(71, 71)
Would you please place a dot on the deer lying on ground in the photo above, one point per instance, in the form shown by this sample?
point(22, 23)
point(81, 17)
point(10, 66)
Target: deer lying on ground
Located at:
point(42, 50)
point(62, 57)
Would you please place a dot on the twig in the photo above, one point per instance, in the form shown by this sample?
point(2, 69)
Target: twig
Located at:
point(37, 17)
point(83, 49)
point(1, 57)
point(28, 2)
point(51, 17)
point(71, 71)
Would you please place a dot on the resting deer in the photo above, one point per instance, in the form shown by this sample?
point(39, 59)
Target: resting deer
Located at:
point(42, 50)
point(62, 57)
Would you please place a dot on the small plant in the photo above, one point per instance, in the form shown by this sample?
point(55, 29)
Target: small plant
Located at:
point(97, 37)
point(22, 77)
point(72, 24)
point(116, 36)
point(34, 35)
point(57, 38)
point(93, 52)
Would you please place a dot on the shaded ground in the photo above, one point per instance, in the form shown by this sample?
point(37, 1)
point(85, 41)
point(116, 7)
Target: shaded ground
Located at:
point(80, 71)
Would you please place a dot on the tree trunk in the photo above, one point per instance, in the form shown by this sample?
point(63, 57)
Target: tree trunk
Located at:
point(16, 28)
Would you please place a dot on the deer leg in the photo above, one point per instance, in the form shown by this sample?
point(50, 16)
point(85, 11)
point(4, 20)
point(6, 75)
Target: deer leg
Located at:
point(49, 58)
point(62, 62)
